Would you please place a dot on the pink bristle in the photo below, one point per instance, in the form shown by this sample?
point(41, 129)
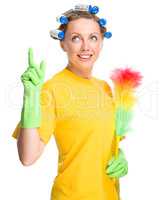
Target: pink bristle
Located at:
point(126, 77)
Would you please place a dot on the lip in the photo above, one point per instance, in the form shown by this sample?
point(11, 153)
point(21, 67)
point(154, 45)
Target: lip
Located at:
point(85, 54)
point(85, 59)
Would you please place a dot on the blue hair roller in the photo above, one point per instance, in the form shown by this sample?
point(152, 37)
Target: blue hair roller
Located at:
point(61, 35)
point(57, 34)
point(102, 22)
point(62, 19)
point(108, 35)
point(93, 9)
point(87, 8)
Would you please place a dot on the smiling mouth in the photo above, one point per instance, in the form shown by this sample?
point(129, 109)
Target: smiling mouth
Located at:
point(85, 57)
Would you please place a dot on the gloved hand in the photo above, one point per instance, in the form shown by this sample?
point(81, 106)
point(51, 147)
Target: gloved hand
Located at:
point(32, 80)
point(117, 168)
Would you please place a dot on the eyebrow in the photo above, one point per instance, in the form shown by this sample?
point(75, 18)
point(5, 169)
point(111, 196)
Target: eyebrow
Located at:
point(80, 34)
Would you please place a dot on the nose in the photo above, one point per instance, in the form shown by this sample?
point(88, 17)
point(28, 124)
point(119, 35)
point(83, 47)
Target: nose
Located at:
point(85, 45)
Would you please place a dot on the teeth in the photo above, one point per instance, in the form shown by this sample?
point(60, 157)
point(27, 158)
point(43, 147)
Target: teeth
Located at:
point(84, 56)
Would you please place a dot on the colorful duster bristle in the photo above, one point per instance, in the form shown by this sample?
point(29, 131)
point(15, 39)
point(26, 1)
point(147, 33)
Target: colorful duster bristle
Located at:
point(125, 81)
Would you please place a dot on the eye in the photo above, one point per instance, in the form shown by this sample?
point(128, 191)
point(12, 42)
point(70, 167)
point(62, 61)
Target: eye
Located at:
point(94, 38)
point(75, 38)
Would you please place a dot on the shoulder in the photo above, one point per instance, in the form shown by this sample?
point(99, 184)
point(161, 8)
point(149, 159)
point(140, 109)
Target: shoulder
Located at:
point(105, 85)
point(52, 81)
point(107, 88)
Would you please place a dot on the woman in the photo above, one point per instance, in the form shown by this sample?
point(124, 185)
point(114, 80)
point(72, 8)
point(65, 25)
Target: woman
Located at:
point(78, 110)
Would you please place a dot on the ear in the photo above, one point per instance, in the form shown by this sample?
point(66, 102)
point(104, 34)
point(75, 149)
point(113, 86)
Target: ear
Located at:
point(62, 45)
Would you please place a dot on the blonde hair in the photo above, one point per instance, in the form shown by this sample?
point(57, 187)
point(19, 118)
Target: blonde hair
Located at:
point(75, 14)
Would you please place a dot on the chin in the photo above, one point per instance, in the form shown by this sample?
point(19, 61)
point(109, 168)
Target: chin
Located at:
point(86, 66)
point(82, 64)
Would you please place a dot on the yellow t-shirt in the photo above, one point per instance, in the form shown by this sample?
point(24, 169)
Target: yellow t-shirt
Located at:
point(79, 113)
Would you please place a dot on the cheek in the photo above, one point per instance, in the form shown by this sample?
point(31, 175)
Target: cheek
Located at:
point(73, 48)
point(97, 48)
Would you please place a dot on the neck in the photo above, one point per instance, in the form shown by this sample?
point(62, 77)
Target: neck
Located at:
point(85, 73)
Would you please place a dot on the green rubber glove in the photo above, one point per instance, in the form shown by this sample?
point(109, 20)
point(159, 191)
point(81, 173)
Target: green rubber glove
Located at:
point(117, 168)
point(32, 80)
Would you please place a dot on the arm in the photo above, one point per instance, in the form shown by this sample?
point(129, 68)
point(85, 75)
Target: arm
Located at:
point(30, 147)
point(29, 144)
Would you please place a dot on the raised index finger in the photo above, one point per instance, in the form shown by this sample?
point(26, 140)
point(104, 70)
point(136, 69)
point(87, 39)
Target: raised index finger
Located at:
point(30, 57)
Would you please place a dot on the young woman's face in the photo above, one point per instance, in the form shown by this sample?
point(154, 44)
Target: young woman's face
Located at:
point(82, 43)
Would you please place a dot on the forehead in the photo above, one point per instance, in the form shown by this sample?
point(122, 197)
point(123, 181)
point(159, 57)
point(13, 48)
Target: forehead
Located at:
point(83, 25)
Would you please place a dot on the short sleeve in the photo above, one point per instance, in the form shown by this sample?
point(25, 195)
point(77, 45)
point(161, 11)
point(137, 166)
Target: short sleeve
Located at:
point(107, 89)
point(48, 115)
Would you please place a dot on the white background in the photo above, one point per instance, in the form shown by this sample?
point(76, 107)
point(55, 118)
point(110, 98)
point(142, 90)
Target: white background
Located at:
point(137, 42)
